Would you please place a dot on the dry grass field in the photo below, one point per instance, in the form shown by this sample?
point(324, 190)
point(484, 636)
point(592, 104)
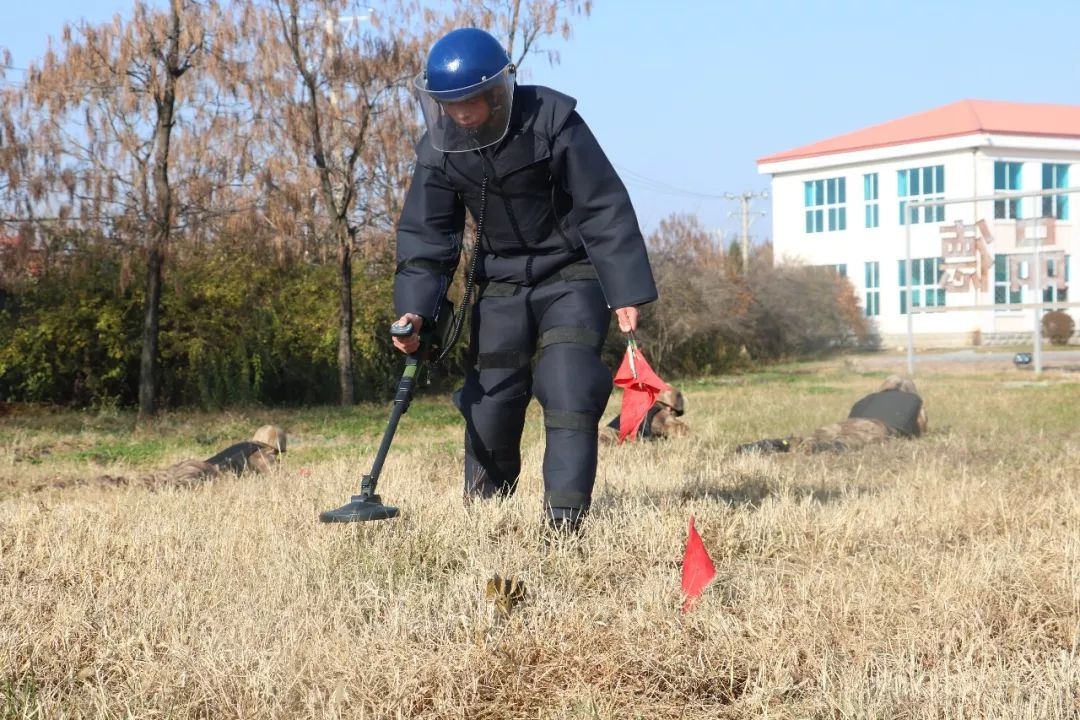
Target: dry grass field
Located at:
point(937, 578)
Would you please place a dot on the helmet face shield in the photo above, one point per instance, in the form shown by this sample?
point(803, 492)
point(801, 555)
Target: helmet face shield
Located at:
point(469, 118)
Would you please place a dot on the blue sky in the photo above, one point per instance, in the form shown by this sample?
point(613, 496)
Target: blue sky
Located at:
point(686, 95)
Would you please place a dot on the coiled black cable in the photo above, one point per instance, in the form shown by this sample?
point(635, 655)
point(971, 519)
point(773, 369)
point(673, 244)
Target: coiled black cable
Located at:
point(470, 277)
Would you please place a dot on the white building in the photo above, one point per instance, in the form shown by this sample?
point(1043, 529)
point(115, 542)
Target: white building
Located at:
point(841, 202)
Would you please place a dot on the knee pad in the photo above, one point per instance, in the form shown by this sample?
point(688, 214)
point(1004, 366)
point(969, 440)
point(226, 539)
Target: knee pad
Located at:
point(570, 374)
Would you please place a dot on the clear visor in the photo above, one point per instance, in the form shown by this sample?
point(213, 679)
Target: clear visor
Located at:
point(470, 118)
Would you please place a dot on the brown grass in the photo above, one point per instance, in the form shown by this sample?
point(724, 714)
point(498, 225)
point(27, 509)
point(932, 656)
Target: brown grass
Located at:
point(928, 579)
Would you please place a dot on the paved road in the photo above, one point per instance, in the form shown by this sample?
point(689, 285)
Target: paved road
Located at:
point(1050, 358)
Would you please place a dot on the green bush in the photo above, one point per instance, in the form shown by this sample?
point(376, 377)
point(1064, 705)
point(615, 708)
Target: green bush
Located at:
point(235, 328)
point(72, 337)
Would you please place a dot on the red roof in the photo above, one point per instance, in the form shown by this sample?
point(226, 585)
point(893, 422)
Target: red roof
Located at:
point(966, 117)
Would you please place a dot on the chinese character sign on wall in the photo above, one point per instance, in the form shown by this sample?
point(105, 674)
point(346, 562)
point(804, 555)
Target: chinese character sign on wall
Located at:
point(965, 256)
point(1050, 272)
point(1038, 232)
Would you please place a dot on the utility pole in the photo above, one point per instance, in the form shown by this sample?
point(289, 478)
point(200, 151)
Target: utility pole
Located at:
point(745, 218)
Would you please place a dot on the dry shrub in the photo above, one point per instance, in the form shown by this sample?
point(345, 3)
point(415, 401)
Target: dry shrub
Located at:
point(805, 311)
point(712, 315)
point(697, 324)
point(1059, 326)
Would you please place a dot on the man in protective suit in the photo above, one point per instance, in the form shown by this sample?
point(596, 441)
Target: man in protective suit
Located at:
point(894, 410)
point(557, 249)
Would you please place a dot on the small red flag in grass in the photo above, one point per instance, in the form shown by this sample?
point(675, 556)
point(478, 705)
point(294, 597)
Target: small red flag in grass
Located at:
point(697, 568)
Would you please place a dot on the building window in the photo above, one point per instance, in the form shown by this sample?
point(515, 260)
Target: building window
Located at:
point(926, 290)
point(1053, 177)
point(870, 196)
point(825, 202)
point(1006, 178)
point(921, 184)
point(1053, 269)
point(1003, 295)
point(873, 293)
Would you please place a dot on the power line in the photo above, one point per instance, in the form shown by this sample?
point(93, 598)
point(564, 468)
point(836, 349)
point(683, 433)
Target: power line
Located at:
point(659, 186)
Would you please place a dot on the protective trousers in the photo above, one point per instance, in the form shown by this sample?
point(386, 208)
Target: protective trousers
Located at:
point(565, 322)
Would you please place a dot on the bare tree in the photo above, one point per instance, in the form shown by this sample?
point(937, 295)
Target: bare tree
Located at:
point(100, 116)
point(325, 80)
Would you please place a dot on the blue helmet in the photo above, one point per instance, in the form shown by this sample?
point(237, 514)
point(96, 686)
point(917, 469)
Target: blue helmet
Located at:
point(462, 60)
point(466, 66)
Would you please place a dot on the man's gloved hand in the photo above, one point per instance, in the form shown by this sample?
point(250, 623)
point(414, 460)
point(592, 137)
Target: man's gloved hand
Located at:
point(409, 343)
point(627, 317)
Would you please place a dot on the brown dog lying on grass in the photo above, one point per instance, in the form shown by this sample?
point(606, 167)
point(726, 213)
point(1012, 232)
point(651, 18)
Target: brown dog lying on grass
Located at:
point(894, 410)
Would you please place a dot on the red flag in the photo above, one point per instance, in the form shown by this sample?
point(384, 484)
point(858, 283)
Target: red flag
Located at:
point(640, 387)
point(697, 568)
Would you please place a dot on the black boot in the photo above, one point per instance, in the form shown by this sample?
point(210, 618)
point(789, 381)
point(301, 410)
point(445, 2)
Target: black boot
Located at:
point(566, 522)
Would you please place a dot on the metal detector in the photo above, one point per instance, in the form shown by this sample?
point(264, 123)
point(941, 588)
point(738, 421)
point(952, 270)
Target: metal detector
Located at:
point(367, 505)
point(439, 340)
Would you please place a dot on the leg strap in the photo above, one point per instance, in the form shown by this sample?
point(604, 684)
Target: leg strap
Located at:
point(493, 288)
point(570, 420)
point(566, 500)
point(515, 359)
point(505, 360)
point(567, 334)
point(577, 271)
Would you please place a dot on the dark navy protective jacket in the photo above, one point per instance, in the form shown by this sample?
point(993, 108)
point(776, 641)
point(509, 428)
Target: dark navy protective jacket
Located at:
point(236, 458)
point(899, 410)
point(553, 200)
